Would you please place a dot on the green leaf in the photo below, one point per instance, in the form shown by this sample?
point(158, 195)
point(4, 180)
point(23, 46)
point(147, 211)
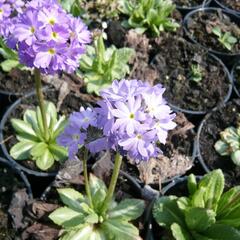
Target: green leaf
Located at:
point(217, 31)
point(179, 233)
point(45, 161)
point(67, 217)
point(119, 230)
point(22, 127)
point(192, 184)
point(183, 203)
point(228, 211)
point(128, 209)
point(235, 156)
point(222, 148)
point(222, 232)
point(9, 64)
point(72, 199)
point(83, 233)
point(166, 212)
point(59, 153)
point(39, 149)
point(198, 197)
point(199, 219)
point(213, 183)
point(98, 191)
point(21, 150)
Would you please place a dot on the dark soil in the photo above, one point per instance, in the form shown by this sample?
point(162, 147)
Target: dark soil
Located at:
point(176, 159)
point(16, 82)
point(188, 3)
point(216, 123)
point(236, 78)
point(9, 184)
point(200, 27)
point(233, 4)
point(173, 64)
point(70, 103)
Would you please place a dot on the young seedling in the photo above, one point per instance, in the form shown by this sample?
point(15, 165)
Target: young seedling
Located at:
point(196, 73)
point(32, 142)
point(149, 15)
point(229, 144)
point(226, 39)
point(206, 213)
point(100, 66)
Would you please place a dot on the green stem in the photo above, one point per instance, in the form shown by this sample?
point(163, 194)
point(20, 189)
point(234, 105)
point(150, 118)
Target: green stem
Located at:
point(113, 182)
point(38, 86)
point(87, 188)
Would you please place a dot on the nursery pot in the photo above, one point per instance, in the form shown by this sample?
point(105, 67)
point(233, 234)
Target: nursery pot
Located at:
point(186, 10)
point(221, 5)
point(4, 121)
point(227, 58)
point(235, 84)
point(71, 104)
point(208, 134)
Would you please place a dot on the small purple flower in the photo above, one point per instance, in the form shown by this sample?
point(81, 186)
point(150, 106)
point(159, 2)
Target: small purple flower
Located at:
point(84, 118)
point(72, 138)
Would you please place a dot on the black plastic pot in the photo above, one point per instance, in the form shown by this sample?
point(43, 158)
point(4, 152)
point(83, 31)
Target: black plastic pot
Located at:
point(235, 87)
point(227, 97)
point(225, 168)
point(221, 5)
point(19, 174)
point(228, 58)
point(3, 145)
point(186, 10)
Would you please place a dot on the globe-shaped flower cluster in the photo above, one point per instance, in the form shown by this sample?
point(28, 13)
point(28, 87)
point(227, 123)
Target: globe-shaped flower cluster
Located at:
point(48, 38)
point(132, 117)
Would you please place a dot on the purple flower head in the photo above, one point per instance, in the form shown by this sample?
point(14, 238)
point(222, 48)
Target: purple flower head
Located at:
point(50, 39)
point(131, 122)
point(136, 116)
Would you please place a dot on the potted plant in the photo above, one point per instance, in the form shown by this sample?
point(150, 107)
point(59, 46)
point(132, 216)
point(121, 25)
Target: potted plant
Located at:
point(216, 30)
point(216, 133)
point(205, 212)
point(195, 80)
point(50, 41)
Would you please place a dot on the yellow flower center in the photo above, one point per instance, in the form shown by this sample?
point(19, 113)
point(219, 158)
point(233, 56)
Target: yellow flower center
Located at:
point(54, 34)
point(51, 51)
point(1, 10)
point(32, 29)
point(131, 116)
point(52, 21)
point(139, 136)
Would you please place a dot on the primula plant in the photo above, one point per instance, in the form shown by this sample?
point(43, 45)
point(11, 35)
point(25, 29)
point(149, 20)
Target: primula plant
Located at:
point(149, 15)
point(196, 73)
point(226, 39)
point(50, 41)
point(206, 214)
point(229, 144)
point(131, 119)
point(100, 66)
point(32, 143)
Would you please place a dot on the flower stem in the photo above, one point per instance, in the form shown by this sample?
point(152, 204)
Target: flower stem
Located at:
point(87, 187)
point(38, 86)
point(113, 182)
